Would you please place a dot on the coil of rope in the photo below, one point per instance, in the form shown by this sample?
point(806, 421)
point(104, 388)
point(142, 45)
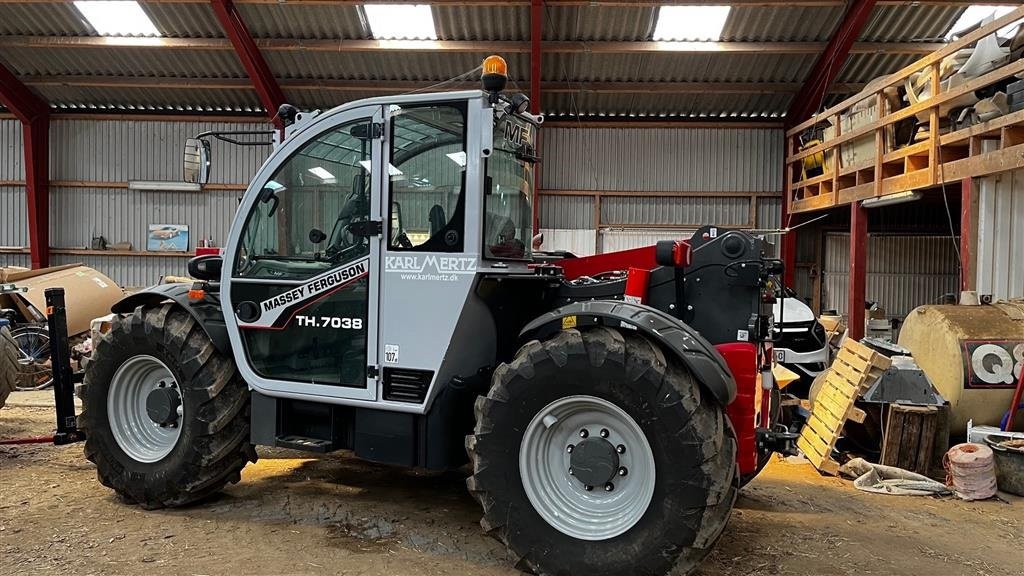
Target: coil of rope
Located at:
point(970, 471)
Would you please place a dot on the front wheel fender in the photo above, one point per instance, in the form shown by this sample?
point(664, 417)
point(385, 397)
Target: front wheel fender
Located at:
point(675, 336)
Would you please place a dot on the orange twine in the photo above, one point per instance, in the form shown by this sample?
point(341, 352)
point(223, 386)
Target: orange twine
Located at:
point(970, 471)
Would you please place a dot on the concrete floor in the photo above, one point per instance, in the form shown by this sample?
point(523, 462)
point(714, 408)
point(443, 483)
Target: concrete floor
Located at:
point(292, 514)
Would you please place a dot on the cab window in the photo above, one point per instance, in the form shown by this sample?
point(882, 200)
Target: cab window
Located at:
point(302, 223)
point(508, 203)
point(427, 178)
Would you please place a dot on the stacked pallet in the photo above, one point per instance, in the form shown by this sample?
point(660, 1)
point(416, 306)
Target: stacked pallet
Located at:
point(855, 369)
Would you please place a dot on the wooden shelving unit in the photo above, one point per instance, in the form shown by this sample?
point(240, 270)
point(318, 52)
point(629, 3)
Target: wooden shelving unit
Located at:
point(938, 158)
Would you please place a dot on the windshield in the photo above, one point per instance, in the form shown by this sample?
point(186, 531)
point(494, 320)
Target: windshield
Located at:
point(508, 205)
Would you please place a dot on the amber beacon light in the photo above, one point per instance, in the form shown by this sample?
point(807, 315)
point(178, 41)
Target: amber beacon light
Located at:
point(495, 74)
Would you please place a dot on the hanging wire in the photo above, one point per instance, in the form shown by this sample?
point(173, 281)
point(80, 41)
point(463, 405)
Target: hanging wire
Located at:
point(461, 77)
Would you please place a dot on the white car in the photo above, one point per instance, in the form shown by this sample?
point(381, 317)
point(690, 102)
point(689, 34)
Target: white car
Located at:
point(800, 340)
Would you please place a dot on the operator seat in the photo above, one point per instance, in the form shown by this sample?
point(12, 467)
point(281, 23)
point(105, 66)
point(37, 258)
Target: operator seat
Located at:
point(436, 219)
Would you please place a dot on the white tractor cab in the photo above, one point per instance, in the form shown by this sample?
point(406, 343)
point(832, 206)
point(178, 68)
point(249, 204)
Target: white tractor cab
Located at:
point(378, 293)
point(801, 344)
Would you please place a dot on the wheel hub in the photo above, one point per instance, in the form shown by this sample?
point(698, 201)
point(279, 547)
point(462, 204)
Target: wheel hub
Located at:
point(145, 409)
point(594, 462)
point(162, 405)
point(587, 467)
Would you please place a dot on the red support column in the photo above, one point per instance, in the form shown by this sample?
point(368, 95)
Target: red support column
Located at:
point(34, 114)
point(858, 270)
point(259, 73)
point(831, 61)
point(966, 234)
point(536, 33)
point(37, 187)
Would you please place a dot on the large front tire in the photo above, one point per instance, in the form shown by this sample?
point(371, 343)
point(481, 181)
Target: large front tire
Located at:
point(202, 439)
point(672, 503)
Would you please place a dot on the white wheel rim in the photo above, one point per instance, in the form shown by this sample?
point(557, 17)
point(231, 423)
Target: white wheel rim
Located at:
point(562, 499)
point(140, 437)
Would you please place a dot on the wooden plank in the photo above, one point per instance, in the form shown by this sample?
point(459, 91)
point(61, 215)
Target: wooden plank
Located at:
point(809, 451)
point(847, 372)
point(857, 415)
point(813, 203)
point(824, 430)
point(819, 445)
point(865, 354)
point(910, 181)
point(828, 413)
point(984, 128)
point(836, 402)
point(988, 163)
point(852, 194)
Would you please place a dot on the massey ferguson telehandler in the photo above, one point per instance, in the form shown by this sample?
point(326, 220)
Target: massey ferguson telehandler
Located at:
point(380, 293)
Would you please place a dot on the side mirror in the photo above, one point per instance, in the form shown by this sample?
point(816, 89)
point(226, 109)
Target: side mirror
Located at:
point(206, 267)
point(196, 161)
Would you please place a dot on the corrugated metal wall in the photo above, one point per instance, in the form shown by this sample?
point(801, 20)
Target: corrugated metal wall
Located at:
point(86, 152)
point(687, 161)
point(589, 159)
point(904, 272)
point(1000, 261)
point(567, 212)
point(662, 159)
point(12, 146)
point(118, 151)
point(14, 222)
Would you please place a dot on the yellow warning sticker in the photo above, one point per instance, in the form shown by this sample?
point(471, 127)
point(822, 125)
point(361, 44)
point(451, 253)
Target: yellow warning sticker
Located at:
point(568, 322)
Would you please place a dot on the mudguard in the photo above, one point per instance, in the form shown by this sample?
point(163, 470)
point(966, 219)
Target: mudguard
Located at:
point(691, 348)
point(206, 311)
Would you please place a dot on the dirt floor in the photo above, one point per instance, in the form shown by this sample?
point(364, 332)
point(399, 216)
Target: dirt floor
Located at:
point(337, 515)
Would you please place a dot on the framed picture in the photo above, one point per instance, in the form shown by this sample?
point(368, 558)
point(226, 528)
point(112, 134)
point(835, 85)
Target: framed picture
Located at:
point(167, 238)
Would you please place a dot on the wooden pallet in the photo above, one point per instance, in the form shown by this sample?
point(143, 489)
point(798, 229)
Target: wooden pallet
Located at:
point(854, 370)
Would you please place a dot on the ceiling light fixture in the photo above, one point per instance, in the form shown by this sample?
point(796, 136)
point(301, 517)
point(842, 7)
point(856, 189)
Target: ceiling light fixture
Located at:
point(400, 21)
point(889, 200)
point(691, 23)
point(116, 17)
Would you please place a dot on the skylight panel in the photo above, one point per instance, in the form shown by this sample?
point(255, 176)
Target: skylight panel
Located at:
point(117, 17)
point(691, 23)
point(400, 21)
point(324, 176)
point(975, 14)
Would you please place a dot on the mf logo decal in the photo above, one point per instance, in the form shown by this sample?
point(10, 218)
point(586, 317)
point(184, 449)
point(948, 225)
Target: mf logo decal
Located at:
point(431, 267)
point(992, 363)
point(277, 311)
point(517, 133)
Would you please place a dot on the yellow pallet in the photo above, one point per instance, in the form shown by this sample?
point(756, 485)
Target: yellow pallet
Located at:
point(854, 370)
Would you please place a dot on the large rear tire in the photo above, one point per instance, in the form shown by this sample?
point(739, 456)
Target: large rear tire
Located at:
point(671, 486)
point(10, 370)
point(166, 416)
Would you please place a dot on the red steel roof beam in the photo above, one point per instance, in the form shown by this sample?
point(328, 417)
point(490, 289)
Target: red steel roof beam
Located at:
point(809, 100)
point(34, 114)
point(259, 73)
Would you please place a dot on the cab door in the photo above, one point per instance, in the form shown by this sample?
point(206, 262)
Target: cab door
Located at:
point(299, 280)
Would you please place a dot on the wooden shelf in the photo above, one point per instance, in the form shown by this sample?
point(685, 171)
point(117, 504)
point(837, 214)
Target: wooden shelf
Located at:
point(87, 252)
point(990, 147)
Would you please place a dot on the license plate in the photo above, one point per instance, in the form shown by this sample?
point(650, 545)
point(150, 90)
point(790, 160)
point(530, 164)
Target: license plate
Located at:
point(780, 355)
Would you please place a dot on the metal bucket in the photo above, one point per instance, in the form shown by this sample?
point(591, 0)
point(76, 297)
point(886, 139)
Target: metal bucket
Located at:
point(1009, 465)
